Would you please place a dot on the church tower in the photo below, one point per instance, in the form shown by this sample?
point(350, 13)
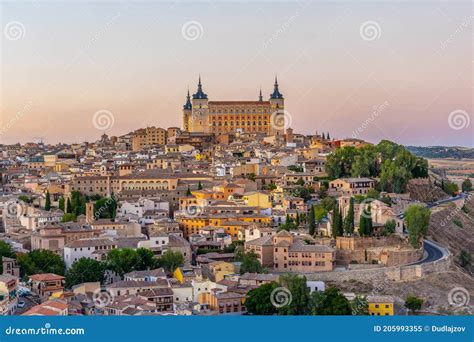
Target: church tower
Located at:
point(187, 109)
point(277, 107)
point(199, 120)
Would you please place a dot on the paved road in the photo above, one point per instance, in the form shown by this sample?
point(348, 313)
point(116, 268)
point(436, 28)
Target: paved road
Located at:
point(433, 253)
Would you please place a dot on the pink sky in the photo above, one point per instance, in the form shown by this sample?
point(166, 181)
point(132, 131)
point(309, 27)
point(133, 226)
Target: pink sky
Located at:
point(70, 61)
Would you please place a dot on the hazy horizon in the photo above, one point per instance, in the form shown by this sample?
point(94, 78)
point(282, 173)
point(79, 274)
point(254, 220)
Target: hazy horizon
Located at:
point(393, 70)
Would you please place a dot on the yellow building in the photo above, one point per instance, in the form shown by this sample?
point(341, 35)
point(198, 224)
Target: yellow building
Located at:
point(381, 305)
point(149, 136)
point(221, 117)
point(220, 269)
point(257, 199)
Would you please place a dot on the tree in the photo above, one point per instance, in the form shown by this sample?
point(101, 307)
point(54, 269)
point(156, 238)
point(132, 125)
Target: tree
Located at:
point(299, 301)
point(199, 186)
point(365, 221)
point(449, 187)
point(465, 258)
point(319, 213)
point(105, 208)
point(389, 227)
point(85, 270)
point(146, 259)
point(68, 206)
point(413, 303)
point(337, 229)
point(249, 263)
point(349, 219)
point(297, 219)
point(47, 204)
point(61, 203)
point(303, 192)
point(330, 302)
point(188, 192)
point(6, 250)
point(359, 306)
point(311, 221)
point(171, 260)
point(466, 185)
point(252, 177)
point(258, 300)
point(122, 260)
point(417, 219)
point(300, 182)
point(67, 217)
point(40, 261)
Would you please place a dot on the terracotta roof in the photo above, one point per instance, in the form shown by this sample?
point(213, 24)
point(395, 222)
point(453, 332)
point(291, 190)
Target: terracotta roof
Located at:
point(46, 277)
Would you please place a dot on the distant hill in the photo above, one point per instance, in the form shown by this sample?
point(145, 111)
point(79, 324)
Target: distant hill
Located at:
point(455, 152)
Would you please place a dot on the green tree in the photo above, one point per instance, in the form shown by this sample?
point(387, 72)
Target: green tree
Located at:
point(328, 203)
point(311, 221)
point(365, 222)
point(299, 303)
point(359, 306)
point(122, 260)
point(68, 207)
point(171, 260)
point(389, 227)
point(319, 213)
point(465, 258)
point(249, 263)
point(188, 192)
point(466, 185)
point(6, 250)
point(199, 185)
point(300, 182)
point(297, 219)
point(85, 270)
point(417, 219)
point(146, 259)
point(67, 217)
point(330, 302)
point(47, 204)
point(337, 225)
point(40, 261)
point(450, 188)
point(258, 300)
point(349, 219)
point(61, 203)
point(252, 177)
point(413, 303)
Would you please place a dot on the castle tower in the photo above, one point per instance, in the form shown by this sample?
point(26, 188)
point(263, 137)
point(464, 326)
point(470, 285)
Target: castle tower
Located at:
point(90, 212)
point(277, 105)
point(199, 120)
point(187, 109)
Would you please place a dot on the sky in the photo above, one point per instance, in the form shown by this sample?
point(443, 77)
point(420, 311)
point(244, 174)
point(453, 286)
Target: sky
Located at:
point(71, 70)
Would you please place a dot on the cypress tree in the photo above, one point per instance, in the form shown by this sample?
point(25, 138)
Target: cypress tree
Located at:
point(311, 223)
point(47, 205)
point(349, 219)
point(68, 206)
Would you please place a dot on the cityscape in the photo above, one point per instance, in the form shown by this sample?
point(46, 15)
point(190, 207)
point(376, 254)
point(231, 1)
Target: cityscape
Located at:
point(218, 206)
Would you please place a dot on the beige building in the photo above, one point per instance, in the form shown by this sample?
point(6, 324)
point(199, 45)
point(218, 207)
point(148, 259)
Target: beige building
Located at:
point(351, 186)
point(147, 137)
point(221, 117)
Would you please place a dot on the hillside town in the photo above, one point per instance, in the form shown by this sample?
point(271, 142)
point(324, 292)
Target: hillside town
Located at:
point(233, 213)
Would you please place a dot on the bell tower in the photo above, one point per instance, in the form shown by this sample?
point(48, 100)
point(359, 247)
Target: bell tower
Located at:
point(199, 120)
point(277, 107)
point(187, 109)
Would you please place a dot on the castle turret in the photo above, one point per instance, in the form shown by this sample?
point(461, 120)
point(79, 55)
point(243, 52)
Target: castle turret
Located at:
point(187, 109)
point(277, 104)
point(199, 120)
